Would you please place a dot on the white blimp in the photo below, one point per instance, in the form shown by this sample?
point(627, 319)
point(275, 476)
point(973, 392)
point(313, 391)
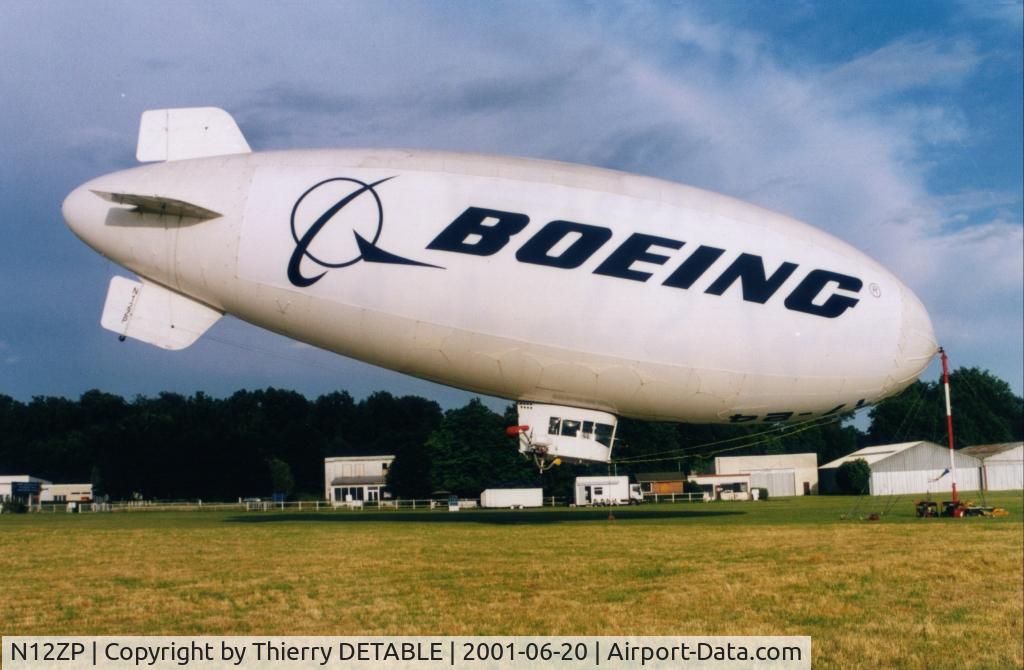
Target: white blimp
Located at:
point(582, 293)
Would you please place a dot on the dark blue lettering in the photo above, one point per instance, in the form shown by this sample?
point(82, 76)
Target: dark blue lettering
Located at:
point(537, 249)
point(693, 267)
point(492, 238)
point(635, 248)
point(749, 269)
point(801, 299)
point(742, 418)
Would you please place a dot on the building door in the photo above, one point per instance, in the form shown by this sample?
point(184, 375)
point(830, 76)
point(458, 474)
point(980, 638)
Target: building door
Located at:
point(807, 488)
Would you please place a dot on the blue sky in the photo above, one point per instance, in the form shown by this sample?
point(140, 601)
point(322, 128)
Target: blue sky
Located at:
point(895, 126)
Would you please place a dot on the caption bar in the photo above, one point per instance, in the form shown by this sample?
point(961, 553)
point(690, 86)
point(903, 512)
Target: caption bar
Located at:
point(407, 653)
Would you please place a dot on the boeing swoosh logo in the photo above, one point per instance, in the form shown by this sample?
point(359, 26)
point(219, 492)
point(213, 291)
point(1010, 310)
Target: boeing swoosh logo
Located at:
point(347, 195)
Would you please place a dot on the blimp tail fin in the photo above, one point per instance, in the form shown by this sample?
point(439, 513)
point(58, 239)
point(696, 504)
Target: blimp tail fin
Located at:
point(188, 132)
point(153, 314)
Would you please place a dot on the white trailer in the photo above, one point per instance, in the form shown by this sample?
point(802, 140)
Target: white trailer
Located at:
point(512, 498)
point(607, 490)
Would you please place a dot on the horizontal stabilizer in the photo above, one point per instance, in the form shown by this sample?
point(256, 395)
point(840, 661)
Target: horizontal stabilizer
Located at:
point(155, 315)
point(188, 132)
point(155, 204)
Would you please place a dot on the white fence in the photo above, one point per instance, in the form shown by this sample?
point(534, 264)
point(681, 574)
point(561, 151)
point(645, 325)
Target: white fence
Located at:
point(267, 506)
point(440, 504)
point(675, 497)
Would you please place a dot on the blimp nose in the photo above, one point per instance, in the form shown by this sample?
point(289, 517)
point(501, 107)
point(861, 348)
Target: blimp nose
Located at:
point(83, 213)
point(917, 346)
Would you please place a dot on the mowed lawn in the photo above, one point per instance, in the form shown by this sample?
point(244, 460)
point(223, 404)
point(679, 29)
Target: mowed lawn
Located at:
point(897, 593)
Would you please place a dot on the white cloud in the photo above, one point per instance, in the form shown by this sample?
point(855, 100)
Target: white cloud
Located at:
point(902, 65)
point(1006, 13)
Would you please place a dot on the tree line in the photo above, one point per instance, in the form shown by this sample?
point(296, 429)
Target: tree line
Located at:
point(254, 443)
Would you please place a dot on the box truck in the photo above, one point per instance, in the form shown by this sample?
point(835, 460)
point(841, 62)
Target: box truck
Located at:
point(607, 490)
point(512, 498)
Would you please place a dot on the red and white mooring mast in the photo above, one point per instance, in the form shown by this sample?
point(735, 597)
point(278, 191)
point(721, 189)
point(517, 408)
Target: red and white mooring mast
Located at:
point(949, 418)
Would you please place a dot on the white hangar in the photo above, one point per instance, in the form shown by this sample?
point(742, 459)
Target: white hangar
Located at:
point(908, 467)
point(1002, 465)
point(781, 474)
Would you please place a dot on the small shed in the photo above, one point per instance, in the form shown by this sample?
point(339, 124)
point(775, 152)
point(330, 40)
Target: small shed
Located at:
point(1002, 465)
point(661, 483)
point(907, 467)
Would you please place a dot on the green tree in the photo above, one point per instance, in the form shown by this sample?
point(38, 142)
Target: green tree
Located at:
point(470, 452)
point(399, 426)
point(853, 477)
point(985, 411)
point(281, 480)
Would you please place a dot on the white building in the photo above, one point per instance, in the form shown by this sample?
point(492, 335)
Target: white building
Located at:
point(1002, 465)
point(908, 467)
point(350, 479)
point(781, 474)
point(33, 490)
point(24, 487)
point(58, 493)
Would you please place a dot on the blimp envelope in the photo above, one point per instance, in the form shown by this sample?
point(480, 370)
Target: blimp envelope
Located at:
point(558, 286)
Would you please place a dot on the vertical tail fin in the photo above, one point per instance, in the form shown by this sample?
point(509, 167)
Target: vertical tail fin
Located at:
point(188, 132)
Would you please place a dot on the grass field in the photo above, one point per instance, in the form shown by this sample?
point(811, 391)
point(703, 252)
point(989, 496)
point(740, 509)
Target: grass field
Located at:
point(897, 593)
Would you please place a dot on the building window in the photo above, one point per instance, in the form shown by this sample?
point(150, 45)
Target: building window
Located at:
point(352, 493)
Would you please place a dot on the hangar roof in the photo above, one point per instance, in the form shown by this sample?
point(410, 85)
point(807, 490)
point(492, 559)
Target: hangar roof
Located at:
point(873, 454)
point(983, 451)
